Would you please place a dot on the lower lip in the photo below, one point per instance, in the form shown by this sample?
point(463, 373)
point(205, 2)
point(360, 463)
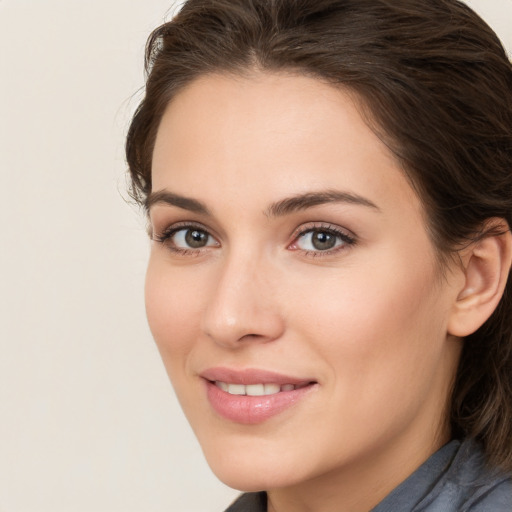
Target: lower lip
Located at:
point(250, 410)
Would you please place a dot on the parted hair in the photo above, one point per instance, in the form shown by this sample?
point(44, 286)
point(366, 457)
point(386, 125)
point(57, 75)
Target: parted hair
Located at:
point(434, 83)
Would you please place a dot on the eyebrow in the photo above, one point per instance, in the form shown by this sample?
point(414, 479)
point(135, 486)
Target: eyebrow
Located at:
point(185, 203)
point(280, 208)
point(310, 199)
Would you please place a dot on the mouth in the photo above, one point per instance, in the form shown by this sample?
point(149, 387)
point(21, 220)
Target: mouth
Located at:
point(256, 389)
point(253, 396)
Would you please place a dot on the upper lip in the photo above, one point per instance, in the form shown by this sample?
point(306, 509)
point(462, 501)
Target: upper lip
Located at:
point(251, 376)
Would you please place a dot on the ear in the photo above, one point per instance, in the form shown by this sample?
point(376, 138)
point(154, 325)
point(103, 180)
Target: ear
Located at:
point(486, 266)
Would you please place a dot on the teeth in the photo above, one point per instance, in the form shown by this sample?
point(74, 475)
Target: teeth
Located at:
point(272, 389)
point(222, 385)
point(236, 389)
point(254, 389)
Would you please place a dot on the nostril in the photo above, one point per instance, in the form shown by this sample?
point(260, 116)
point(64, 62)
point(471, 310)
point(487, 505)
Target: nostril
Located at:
point(231, 320)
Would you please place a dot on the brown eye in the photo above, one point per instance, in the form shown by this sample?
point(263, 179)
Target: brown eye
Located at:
point(322, 240)
point(195, 238)
point(189, 238)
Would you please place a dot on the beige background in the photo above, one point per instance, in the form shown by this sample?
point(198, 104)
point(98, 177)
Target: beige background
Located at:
point(88, 421)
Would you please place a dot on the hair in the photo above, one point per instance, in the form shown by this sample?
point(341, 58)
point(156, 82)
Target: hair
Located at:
point(434, 83)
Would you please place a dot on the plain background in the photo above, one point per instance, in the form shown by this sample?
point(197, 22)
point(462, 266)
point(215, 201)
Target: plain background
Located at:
point(88, 420)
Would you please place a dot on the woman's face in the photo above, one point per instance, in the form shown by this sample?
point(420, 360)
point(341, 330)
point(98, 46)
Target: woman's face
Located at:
point(292, 288)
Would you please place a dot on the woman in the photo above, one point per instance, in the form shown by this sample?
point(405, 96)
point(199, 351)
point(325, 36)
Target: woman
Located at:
point(329, 192)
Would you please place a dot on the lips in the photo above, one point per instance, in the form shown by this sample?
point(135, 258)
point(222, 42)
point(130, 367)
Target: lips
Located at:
point(255, 389)
point(253, 396)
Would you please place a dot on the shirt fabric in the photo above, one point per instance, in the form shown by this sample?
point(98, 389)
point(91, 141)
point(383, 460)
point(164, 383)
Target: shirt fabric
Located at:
point(454, 479)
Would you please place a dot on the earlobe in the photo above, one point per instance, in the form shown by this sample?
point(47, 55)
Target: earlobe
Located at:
point(486, 268)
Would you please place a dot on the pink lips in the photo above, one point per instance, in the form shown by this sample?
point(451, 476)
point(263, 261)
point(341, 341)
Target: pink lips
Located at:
point(246, 409)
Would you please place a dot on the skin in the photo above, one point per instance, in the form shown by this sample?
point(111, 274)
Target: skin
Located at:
point(368, 321)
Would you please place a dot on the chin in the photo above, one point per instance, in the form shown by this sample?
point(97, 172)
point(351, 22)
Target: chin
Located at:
point(251, 472)
point(249, 479)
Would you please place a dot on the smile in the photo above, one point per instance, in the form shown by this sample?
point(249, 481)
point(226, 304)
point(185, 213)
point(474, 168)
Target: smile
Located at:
point(256, 389)
point(252, 396)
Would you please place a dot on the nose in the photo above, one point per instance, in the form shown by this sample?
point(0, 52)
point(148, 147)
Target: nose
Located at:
point(242, 307)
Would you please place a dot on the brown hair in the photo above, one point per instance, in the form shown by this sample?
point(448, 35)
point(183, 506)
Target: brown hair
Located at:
point(436, 85)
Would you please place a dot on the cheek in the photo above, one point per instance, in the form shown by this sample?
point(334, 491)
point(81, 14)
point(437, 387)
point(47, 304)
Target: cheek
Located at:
point(375, 336)
point(374, 318)
point(173, 309)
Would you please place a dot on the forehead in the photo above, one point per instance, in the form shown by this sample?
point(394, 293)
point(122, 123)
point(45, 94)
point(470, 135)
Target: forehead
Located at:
point(268, 135)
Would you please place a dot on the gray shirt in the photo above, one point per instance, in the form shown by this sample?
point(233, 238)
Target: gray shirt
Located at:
point(454, 479)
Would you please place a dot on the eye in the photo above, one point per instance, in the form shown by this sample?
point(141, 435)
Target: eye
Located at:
point(186, 239)
point(321, 240)
point(192, 238)
point(318, 241)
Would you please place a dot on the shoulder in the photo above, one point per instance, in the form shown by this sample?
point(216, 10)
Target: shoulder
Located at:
point(249, 502)
point(456, 478)
point(482, 488)
point(470, 485)
point(497, 498)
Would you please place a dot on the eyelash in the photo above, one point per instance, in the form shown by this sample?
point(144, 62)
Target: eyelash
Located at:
point(347, 240)
point(165, 238)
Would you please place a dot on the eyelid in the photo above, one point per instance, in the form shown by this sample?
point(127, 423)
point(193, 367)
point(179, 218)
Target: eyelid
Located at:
point(164, 236)
point(348, 237)
point(319, 225)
